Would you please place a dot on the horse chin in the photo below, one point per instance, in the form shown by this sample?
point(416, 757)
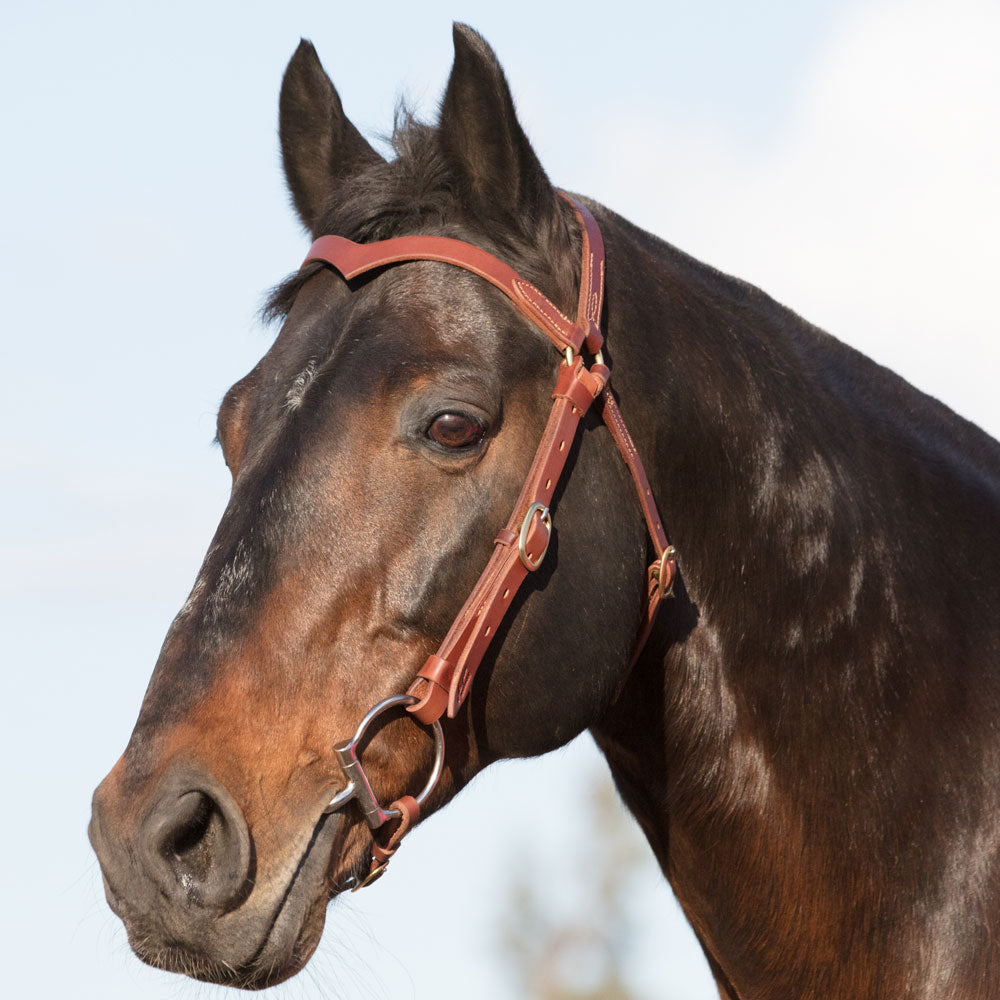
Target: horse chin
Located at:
point(298, 927)
point(289, 945)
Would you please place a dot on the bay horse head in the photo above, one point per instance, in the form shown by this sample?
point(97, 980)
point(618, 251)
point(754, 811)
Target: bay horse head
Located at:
point(375, 451)
point(809, 737)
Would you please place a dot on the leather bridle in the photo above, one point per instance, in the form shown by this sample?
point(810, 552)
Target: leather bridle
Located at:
point(442, 683)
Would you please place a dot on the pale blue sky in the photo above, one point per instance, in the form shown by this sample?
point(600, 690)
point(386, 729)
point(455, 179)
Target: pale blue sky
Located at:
point(844, 156)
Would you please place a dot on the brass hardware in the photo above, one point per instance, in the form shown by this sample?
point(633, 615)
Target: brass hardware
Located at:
point(373, 876)
point(546, 518)
point(659, 571)
point(571, 357)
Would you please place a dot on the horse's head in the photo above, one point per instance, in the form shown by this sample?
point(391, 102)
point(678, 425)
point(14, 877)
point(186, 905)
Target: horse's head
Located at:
point(375, 451)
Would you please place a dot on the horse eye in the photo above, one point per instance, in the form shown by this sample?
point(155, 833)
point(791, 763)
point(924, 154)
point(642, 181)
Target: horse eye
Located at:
point(455, 430)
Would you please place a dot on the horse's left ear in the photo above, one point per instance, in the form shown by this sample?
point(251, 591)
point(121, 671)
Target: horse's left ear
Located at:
point(498, 175)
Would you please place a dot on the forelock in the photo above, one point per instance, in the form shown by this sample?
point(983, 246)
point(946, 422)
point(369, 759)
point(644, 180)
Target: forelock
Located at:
point(413, 192)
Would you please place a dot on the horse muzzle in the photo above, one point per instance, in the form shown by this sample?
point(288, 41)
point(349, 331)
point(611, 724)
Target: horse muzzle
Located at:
point(182, 875)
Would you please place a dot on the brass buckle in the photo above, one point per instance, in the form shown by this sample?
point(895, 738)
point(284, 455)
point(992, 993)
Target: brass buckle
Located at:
point(522, 542)
point(373, 876)
point(658, 571)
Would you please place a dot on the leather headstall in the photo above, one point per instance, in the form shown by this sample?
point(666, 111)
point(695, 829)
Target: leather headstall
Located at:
point(443, 682)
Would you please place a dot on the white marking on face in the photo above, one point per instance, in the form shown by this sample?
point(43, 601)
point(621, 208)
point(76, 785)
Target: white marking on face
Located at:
point(293, 398)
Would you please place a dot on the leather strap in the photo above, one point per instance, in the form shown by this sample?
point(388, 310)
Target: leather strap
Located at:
point(591, 300)
point(385, 846)
point(353, 259)
point(443, 682)
point(662, 571)
point(386, 839)
point(445, 678)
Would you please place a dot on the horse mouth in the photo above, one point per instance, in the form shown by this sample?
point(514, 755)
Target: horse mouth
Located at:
point(279, 957)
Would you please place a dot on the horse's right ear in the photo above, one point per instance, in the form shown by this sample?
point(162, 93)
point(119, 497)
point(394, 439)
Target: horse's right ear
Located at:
point(320, 148)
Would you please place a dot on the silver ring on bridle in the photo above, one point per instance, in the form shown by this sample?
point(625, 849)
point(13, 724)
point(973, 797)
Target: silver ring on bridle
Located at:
point(358, 787)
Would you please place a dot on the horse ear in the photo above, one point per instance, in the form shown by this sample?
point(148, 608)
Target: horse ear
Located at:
point(320, 148)
point(498, 174)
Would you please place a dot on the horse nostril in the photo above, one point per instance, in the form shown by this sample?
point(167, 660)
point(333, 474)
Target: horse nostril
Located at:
point(196, 845)
point(189, 848)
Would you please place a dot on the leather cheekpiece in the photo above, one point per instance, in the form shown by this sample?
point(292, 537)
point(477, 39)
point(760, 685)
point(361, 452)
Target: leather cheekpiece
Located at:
point(444, 680)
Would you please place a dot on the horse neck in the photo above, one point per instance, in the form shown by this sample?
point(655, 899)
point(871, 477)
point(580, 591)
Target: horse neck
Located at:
point(751, 738)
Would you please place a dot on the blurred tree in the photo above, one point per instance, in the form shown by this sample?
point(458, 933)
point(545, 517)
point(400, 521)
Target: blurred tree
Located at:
point(584, 957)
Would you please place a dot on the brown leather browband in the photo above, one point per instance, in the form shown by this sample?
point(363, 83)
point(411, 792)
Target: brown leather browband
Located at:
point(442, 683)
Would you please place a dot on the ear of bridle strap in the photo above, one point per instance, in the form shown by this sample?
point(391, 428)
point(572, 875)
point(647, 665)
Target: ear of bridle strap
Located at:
point(443, 682)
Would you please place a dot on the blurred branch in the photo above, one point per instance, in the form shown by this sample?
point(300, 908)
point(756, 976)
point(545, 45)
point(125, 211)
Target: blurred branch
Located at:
point(586, 957)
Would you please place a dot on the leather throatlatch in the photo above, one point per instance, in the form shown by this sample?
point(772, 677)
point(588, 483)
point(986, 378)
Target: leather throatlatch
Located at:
point(443, 682)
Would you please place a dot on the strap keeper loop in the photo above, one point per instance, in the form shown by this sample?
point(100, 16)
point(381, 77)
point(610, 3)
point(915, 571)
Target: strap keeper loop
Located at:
point(505, 537)
point(580, 386)
point(431, 686)
point(594, 339)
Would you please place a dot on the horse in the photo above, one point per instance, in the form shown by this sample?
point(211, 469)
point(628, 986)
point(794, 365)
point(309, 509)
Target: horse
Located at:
point(807, 733)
